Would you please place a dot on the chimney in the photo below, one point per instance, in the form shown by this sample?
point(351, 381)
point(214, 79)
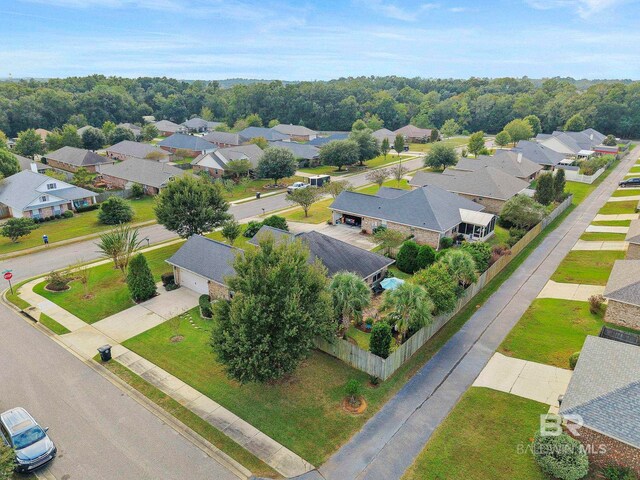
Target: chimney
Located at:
point(34, 167)
point(519, 157)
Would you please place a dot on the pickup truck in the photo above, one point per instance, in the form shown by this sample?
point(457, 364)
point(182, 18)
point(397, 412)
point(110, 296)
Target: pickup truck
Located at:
point(297, 186)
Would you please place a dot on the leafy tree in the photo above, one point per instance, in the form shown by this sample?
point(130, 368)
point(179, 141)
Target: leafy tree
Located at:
point(239, 168)
point(559, 183)
point(67, 137)
point(350, 295)
point(280, 304)
point(434, 136)
point(55, 174)
point(206, 114)
point(610, 141)
point(108, 128)
point(575, 124)
point(15, 228)
point(481, 253)
point(411, 305)
point(277, 163)
point(367, 144)
point(380, 341)
point(223, 127)
point(79, 120)
point(305, 197)
point(93, 139)
point(276, 221)
point(119, 245)
point(389, 239)
point(3, 140)
point(149, 132)
point(407, 258)
point(518, 130)
point(340, 153)
point(274, 123)
point(377, 176)
point(450, 128)
point(7, 462)
point(503, 138)
point(374, 122)
point(461, 266)
point(476, 143)
point(137, 190)
point(8, 163)
point(358, 125)
point(545, 193)
point(231, 230)
point(253, 120)
point(260, 141)
point(440, 285)
point(114, 211)
point(398, 144)
point(426, 256)
point(29, 143)
point(336, 188)
point(440, 156)
point(522, 211)
point(190, 206)
point(534, 121)
point(385, 147)
point(82, 178)
point(140, 280)
point(398, 171)
point(121, 133)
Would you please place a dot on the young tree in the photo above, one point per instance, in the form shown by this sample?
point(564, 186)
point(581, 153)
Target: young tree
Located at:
point(559, 183)
point(398, 144)
point(374, 122)
point(305, 197)
point(340, 153)
point(231, 230)
point(149, 132)
point(476, 143)
point(518, 130)
point(70, 137)
point(336, 188)
point(411, 305)
point(522, 211)
point(156, 156)
point(367, 144)
point(358, 125)
point(389, 239)
point(137, 190)
point(273, 123)
point(461, 266)
point(260, 141)
point(440, 156)
point(534, 121)
point(276, 221)
point(239, 168)
point(253, 120)
point(3, 140)
point(610, 141)
point(398, 171)
point(108, 128)
point(545, 193)
point(426, 256)
point(206, 114)
point(385, 147)
point(503, 138)
point(15, 228)
point(119, 134)
point(29, 143)
point(280, 304)
point(55, 174)
point(114, 211)
point(575, 124)
point(450, 128)
point(190, 206)
point(380, 341)
point(378, 176)
point(93, 139)
point(440, 285)
point(481, 253)
point(277, 163)
point(407, 258)
point(118, 245)
point(82, 178)
point(8, 163)
point(140, 280)
point(435, 135)
point(350, 295)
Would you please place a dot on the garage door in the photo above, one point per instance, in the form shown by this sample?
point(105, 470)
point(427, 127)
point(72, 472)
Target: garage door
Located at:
point(194, 282)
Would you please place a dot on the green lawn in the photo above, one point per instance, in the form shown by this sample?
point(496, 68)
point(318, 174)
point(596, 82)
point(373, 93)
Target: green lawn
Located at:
point(238, 192)
point(361, 338)
point(52, 325)
point(425, 147)
point(616, 208)
point(381, 161)
point(599, 237)
point(626, 192)
point(398, 273)
point(318, 213)
point(612, 223)
point(79, 225)
point(587, 267)
point(479, 440)
point(373, 189)
point(499, 237)
point(331, 170)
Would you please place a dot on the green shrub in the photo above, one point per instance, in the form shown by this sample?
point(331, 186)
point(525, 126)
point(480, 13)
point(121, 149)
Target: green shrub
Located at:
point(88, 208)
point(205, 306)
point(481, 253)
point(67, 214)
point(407, 258)
point(446, 242)
point(426, 256)
point(276, 221)
point(515, 234)
point(7, 462)
point(617, 472)
point(380, 341)
point(353, 391)
point(58, 281)
point(379, 228)
point(137, 190)
point(167, 278)
point(561, 456)
point(252, 228)
point(573, 360)
point(114, 211)
point(140, 279)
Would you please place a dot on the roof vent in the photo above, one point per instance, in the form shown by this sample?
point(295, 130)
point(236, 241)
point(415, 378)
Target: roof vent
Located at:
point(591, 136)
point(519, 157)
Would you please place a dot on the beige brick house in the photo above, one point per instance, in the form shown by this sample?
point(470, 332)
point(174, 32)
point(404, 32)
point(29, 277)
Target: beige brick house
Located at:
point(152, 175)
point(623, 293)
point(71, 159)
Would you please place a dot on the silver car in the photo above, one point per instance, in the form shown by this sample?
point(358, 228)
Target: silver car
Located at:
point(29, 440)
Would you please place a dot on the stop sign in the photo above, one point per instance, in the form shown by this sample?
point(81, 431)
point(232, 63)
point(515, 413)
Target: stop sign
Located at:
point(8, 276)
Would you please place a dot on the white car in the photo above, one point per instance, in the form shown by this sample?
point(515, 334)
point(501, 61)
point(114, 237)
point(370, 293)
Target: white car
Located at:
point(297, 186)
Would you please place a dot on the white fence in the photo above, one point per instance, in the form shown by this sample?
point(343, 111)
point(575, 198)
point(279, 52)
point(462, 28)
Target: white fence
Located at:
point(576, 176)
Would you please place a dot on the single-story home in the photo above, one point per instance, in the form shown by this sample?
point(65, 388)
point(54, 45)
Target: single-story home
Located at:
point(127, 149)
point(411, 133)
point(192, 145)
point(320, 141)
point(42, 133)
point(71, 159)
point(513, 163)
point(383, 133)
point(268, 134)
point(28, 164)
point(200, 125)
point(296, 133)
point(537, 153)
point(336, 255)
point(487, 186)
point(428, 213)
point(168, 128)
point(133, 128)
point(223, 139)
point(602, 402)
point(202, 265)
point(33, 195)
point(152, 175)
point(576, 144)
point(215, 163)
point(633, 238)
point(623, 294)
point(301, 151)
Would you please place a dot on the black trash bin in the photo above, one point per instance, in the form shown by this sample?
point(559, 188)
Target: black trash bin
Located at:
point(257, 194)
point(105, 353)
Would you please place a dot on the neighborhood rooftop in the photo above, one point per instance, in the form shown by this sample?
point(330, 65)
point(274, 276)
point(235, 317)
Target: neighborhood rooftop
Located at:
point(266, 133)
point(538, 153)
point(513, 163)
point(78, 157)
point(135, 149)
point(624, 282)
point(144, 172)
point(187, 142)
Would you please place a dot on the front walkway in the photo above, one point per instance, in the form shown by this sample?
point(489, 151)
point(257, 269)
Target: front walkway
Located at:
point(613, 217)
point(631, 198)
point(605, 229)
point(601, 245)
point(570, 291)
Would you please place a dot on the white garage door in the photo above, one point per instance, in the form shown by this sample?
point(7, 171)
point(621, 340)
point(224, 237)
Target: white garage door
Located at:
point(194, 282)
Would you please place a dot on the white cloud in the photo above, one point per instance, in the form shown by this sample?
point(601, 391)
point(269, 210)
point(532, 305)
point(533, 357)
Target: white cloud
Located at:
point(583, 8)
point(394, 11)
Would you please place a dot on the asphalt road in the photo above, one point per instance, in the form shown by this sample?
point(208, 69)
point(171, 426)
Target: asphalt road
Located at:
point(100, 432)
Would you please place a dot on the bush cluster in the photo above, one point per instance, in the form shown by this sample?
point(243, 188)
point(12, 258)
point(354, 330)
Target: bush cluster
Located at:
point(561, 456)
point(88, 208)
point(380, 341)
point(114, 211)
point(573, 360)
point(205, 306)
point(274, 221)
point(140, 280)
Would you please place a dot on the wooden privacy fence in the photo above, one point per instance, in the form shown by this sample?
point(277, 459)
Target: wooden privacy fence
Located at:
point(383, 368)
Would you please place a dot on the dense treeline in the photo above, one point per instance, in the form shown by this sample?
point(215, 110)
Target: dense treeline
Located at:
point(475, 103)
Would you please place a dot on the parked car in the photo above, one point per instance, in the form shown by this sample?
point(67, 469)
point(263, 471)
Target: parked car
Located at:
point(297, 186)
point(29, 440)
point(631, 182)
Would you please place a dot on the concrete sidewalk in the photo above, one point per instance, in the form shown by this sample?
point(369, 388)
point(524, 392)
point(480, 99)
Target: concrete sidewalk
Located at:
point(605, 229)
point(570, 291)
point(621, 216)
point(601, 245)
point(631, 198)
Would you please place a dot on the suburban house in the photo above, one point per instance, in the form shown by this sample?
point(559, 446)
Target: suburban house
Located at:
point(428, 213)
point(215, 163)
point(168, 128)
point(192, 145)
point(152, 175)
point(320, 141)
point(411, 133)
point(296, 133)
point(28, 164)
point(537, 153)
point(223, 139)
point(336, 255)
point(633, 238)
point(383, 133)
point(513, 163)
point(268, 134)
point(199, 125)
point(202, 265)
point(71, 159)
point(133, 128)
point(487, 186)
point(126, 149)
point(42, 133)
point(623, 294)
point(81, 130)
point(301, 151)
point(31, 194)
point(604, 392)
point(574, 144)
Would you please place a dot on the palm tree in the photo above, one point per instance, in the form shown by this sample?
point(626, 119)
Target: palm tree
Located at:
point(461, 265)
point(412, 306)
point(351, 295)
point(118, 245)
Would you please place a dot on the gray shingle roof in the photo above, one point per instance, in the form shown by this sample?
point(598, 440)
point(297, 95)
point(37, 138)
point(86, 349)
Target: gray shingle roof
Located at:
point(297, 130)
point(320, 141)
point(299, 150)
point(538, 153)
point(187, 142)
point(624, 282)
point(507, 161)
point(251, 152)
point(267, 133)
point(206, 257)
point(486, 182)
point(135, 129)
point(144, 172)
point(168, 126)
point(413, 131)
point(633, 235)
point(383, 133)
point(605, 389)
point(226, 138)
point(196, 123)
point(78, 157)
point(25, 163)
point(135, 149)
point(430, 208)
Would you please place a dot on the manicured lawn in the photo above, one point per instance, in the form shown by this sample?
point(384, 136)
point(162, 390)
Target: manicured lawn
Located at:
point(381, 161)
point(52, 325)
point(626, 192)
point(500, 236)
point(318, 213)
point(615, 208)
point(587, 267)
point(612, 223)
point(80, 224)
point(598, 237)
point(331, 170)
point(479, 440)
point(241, 241)
point(392, 183)
point(239, 192)
point(398, 273)
point(361, 338)
point(425, 147)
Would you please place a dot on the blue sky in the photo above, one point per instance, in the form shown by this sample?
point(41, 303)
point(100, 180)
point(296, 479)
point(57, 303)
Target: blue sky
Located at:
point(305, 40)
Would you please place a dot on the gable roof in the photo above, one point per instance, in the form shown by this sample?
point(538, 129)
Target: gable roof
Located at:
point(198, 122)
point(605, 389)
point(187, 142)
point(595, 136)
point(624, 282)
point(290, 129)
point(513, 163)
point(135, 149)
point(43, 133)
point(25, 163)
point(227, 138)
point(633, 234)
point(207, 258)
point(267, 133)
point(413, 131)
point(131, 126)
point(429, 207)
point(299, 150)
point(538, 153)
point(383, 133)
point(168, 126)
point(78, 157)
point(486, 182)
point(320, 141)
point(145, 172)
point(222, 156)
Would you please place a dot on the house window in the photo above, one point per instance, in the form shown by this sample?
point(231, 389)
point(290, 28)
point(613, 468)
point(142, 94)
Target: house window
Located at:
point(51, 186)
point(43, 198)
